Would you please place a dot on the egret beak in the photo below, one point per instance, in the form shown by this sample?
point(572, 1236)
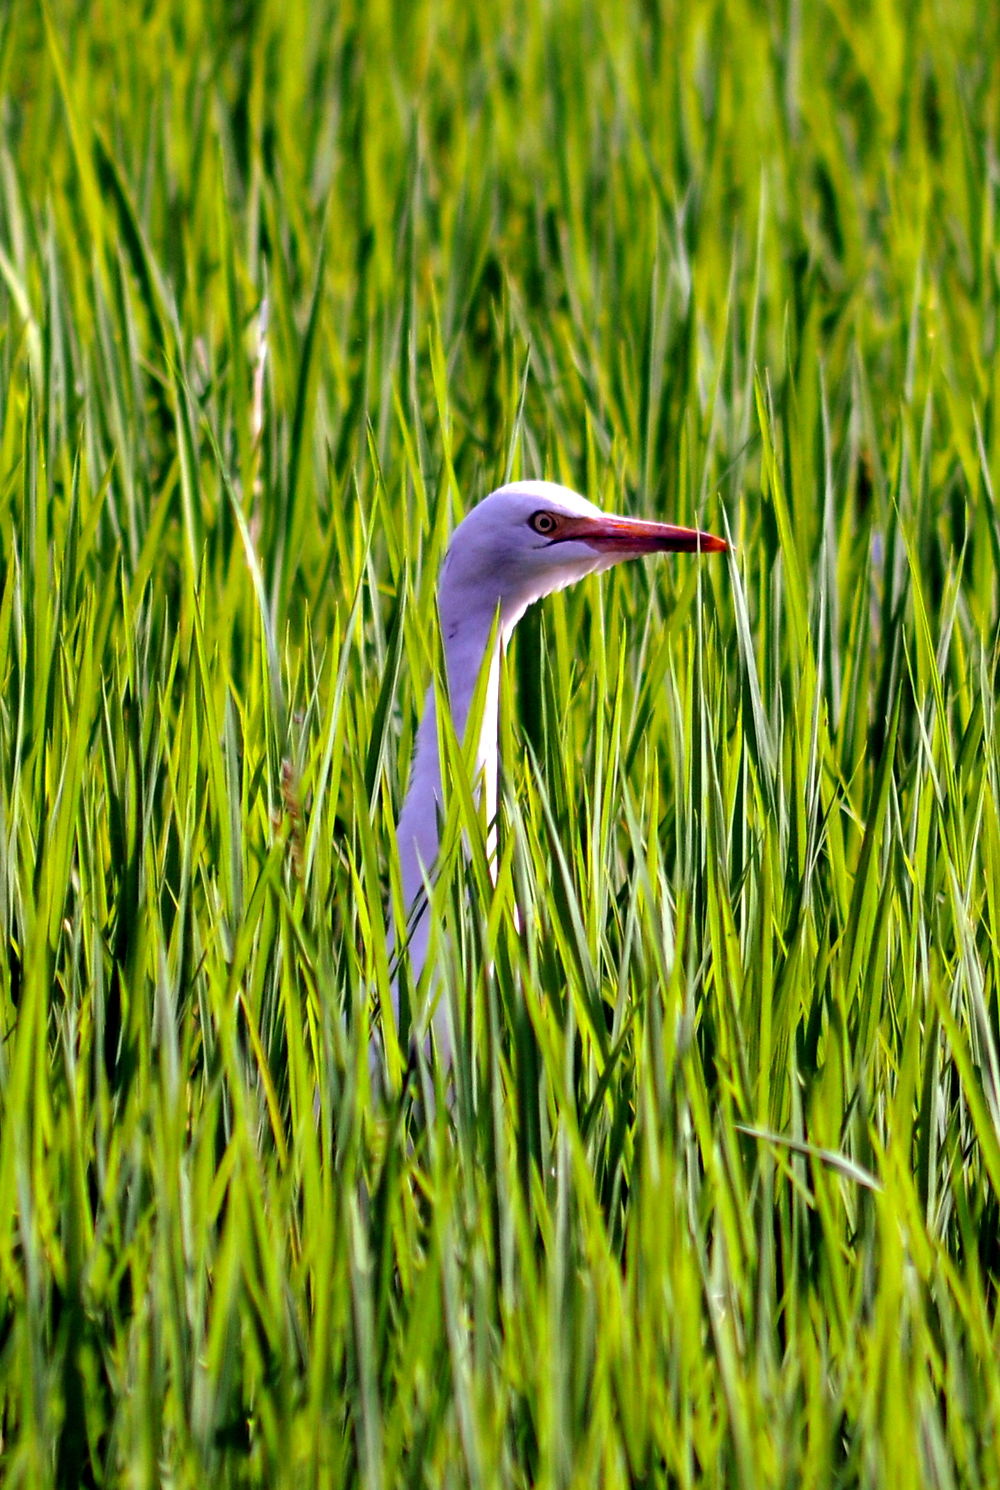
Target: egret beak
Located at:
point(625, 536)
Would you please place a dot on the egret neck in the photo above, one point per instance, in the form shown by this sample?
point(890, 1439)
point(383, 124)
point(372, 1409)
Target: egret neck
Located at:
point(467, 639)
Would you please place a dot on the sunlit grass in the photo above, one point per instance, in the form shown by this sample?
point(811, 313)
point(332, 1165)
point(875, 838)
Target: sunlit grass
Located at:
point(715, 1196)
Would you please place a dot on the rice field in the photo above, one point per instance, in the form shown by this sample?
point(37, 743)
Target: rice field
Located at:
point(712, 1197)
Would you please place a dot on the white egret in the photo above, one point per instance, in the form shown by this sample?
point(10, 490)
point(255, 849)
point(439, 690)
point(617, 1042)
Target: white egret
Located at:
point(520, 543)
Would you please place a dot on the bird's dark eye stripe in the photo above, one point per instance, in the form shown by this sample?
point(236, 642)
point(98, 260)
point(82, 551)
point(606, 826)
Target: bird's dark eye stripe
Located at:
point(543, 522)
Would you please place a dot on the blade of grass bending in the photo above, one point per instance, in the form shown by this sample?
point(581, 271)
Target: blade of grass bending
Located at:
point(829, 1158)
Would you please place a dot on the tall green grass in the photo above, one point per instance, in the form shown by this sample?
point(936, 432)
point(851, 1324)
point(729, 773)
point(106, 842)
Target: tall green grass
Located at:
point(715, 1200)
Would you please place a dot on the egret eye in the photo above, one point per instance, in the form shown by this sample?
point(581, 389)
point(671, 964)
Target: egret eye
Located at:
point(543, 522)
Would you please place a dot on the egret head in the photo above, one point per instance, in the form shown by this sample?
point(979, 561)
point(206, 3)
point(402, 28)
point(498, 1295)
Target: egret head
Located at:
point(532, 537)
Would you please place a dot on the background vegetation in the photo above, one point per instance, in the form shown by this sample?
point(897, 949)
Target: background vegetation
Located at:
point(283, 289)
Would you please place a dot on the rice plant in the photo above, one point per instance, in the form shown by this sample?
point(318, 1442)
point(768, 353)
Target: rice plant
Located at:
point(713, 1194)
